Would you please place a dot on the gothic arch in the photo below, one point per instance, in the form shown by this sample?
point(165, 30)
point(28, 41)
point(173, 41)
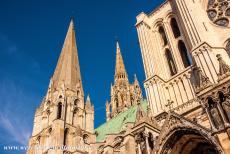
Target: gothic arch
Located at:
point(190, 141)
point(179, 132)
point(169, 15)
point(158, 22)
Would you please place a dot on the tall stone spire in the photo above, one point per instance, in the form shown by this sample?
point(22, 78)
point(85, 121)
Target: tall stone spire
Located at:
point(63, 110)
point(120, 72)
point(68, 70)
point(123, 94)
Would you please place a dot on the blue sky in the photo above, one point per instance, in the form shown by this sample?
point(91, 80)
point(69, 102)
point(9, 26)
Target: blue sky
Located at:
point(31, 37)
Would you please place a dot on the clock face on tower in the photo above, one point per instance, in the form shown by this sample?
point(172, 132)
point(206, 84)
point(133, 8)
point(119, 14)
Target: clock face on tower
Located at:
point(219, 12)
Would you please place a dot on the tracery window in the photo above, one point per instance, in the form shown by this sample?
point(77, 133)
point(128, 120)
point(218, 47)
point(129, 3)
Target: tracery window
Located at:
point(184, 54)
point(171, 63)
point(219, 12)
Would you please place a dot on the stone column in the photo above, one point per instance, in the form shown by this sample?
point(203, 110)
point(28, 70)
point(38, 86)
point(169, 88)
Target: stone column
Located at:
point(147, 143)
point(139, 148)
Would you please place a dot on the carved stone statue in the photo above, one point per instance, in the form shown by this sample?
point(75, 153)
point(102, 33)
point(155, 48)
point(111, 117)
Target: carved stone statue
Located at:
point(216, 118)
point(226, 107)
point(143, 147)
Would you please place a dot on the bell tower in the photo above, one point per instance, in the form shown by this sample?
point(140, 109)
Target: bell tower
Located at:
point(64, 119)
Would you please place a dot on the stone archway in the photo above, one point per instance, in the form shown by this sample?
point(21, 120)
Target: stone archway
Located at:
point(182, 136)
point(188, 141)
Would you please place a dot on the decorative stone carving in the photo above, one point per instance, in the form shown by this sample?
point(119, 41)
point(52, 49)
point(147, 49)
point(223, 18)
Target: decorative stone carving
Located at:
point(118, 141)
point(78, 131)
point(226, 107)
point(219, 12)
point(224, 69)
point(216, 118)
point(201, 81)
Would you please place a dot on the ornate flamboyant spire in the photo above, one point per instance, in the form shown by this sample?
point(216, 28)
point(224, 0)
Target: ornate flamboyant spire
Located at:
point(120, 71)
point(68, 70)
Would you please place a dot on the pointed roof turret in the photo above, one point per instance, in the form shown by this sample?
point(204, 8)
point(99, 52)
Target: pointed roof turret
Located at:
point(135, 79)
point(67, 71)
point(88, 98)
point(147, 117)
point(88, 104)
point(120, 71)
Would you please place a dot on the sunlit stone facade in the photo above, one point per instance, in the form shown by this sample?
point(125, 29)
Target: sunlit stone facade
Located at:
point(185, 51)
point(185, 46)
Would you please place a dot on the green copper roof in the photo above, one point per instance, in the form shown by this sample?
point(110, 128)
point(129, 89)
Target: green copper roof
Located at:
point(115, 124)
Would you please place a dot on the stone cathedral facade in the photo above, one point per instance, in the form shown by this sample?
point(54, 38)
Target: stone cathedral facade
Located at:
point(185, 47)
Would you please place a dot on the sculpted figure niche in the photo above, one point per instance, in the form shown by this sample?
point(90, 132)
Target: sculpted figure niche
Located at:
point(215, 115)
point(226, 107)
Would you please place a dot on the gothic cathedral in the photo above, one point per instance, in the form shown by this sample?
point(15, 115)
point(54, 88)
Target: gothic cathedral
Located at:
point(185, 47)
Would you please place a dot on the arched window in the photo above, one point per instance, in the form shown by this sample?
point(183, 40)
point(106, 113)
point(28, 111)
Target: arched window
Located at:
point(59, 111)
point(175, 28)
point(38, 139)
point(76, 102)
point(85, 138)
point(184, 54)
point(116, 102)
point(171, 64)
point(75, 117)
point(50, 130)
point(163, 35)
point(66, 131)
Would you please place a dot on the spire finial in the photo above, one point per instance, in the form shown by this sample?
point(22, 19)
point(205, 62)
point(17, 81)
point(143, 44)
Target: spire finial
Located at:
point(118, 46)
point(88, 98)
point(135, 76)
